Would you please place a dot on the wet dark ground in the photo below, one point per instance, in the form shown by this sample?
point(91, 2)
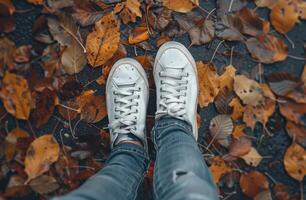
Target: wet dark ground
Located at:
point(272, 148)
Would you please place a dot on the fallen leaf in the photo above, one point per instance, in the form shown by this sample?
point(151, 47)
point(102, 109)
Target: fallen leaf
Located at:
point(94, 110)
point(219, 168)
point(267, 48)
point(251, 23)
point(284, 15)
point(129, 11)
point(16, 96)
point(11, 142)
point(266, 3)
point(7, 20)
point(16, 187)
point(36, 2)
point(209, 83)
point(45, 104)
point(223, 100)
point(58, 4)
point(252, 158)
point(224, 6)
point(73, 58)
point(295, 161)
point(239, 131)
point(238, 109)
point(44, 184)
point(7, 48)
point(182, 6)
point(221, 128)
point(200, 29)
point(22, 54)
point(302, 9)
point(229, 27)
point(69, 110)
point(86, 14)
point(84, 98)
point(264, 195)
point(240, 147)
point(40, 155)
point(253, 183)
point(248, 90)
point(70, 90)
point(139, 34)
point(227, 78)
point(293, 112)
point(297, 96)
point(160, 18)
point(103, 42)
point(281, 192)
point(297, 133)
point(282, 83)
point(303, 76)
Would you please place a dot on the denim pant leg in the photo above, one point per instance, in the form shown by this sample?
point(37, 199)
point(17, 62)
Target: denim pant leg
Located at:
point(119, 180)
point(180, 171)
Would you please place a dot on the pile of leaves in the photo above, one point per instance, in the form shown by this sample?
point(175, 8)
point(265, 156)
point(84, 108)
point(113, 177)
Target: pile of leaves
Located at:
point(40, 82)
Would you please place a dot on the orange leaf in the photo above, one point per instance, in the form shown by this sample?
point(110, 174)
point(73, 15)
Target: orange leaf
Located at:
point(238, 109)
point(94, 110)
point(103, 42)
point(16, 96)
point(284, 15)
point(139, 34)
point(295, 161)
point(40, 155)
point(239, 131)
point(219, 168)
point(227, 78)
point(209, 83)
point(182, 6)
point(293, 112)
point(129, 10)
point(36, 2)
point(297, 133)
point(253, 183)
point(252, 158)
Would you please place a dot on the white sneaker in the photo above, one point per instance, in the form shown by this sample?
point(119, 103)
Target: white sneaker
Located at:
point(176, 81)
point(127, 95)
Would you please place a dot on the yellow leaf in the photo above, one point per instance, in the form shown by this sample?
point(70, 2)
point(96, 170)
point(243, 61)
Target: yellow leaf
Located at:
point(138, 35)
point(252, 158)
point(40, 155)
point(129, 11)
point(238, 109)
point(103, 42)
point(182, 6)
point(227, 78)
point(16, 96)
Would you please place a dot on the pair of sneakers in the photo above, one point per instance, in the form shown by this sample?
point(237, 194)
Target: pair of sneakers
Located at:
point(127, 93)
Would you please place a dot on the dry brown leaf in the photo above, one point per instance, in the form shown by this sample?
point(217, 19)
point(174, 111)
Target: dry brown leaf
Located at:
point(227, 78)
point(284, 15)
point(229, 27)
point(267, 48)
point(239, 131)
point(40, 155)
point(295, 161)
point(248, 90)
point(240, 147)
point(293, 112)
point(297, 96)
point(16, 96)
point(44, 184)
point(223, 100)
point(251, 23)
point(253, 183)
point(221, 127)
point(252, 158)
point(266, 3)
point(94, 110)
point(73, 58)
point(139, 34)
point(16, 187)
point(281, 192)
point(36, 2)
point(129, 10)
point(86, 13)
point(302, 10)
point(219, 168)
point(209, 83)
point(238, 109)
point(264, 195)
point(182, 6)
point(162, 39)
point(7, 20)
point(7, 48)
point(103, 42)
point(11, 141)
point(297, 133)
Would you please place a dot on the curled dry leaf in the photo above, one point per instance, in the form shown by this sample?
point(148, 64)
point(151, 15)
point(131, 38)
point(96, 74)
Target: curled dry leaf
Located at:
point(221, 127)
point(103, 42)
point(282, 83)
point(209, 83)
point(293, 112)
point(253, 183)
point(11, 141)
point(94, 110)
point(297, 133)
point(284, 15)
point(139, 34)
point(73, 58)
point(40, 155)
point(86, 14)
point(267, 48)
point(219, 168)
point(16, 96)
point(44, 184)
point(238, 109)
point(248, 90)
point(295, 161)
point(182, 6)
point(129, 10)
point(240, 147)
point(251, 23)
point(16, 187)
point(252, 158)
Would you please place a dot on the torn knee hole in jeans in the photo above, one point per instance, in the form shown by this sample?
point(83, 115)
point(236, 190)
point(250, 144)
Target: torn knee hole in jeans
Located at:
point(178, 174)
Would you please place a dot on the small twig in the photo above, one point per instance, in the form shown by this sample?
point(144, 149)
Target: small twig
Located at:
point(69, 108)
point(203, 9)
point(135, 50)
point(296, 57)
point(270, 177)
point(290, 41)
point(30, 126)
point(65, 153)
point(229, 195)
point(210, 13)
point(147, 20)
point(231, 58)
point(84, 167)
point(267, 131)
point(230, 6)
point(213, 56)
point(207, 149)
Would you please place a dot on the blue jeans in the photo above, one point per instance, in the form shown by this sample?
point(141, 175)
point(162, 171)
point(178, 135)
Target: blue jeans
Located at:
point(180, 171)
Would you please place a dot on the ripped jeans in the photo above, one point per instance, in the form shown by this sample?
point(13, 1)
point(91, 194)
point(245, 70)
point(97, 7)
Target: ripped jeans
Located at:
point(180, 172)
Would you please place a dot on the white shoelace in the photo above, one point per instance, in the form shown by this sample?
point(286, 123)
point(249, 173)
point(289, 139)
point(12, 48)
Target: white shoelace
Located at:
point(125, 110)
point(172, 93)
